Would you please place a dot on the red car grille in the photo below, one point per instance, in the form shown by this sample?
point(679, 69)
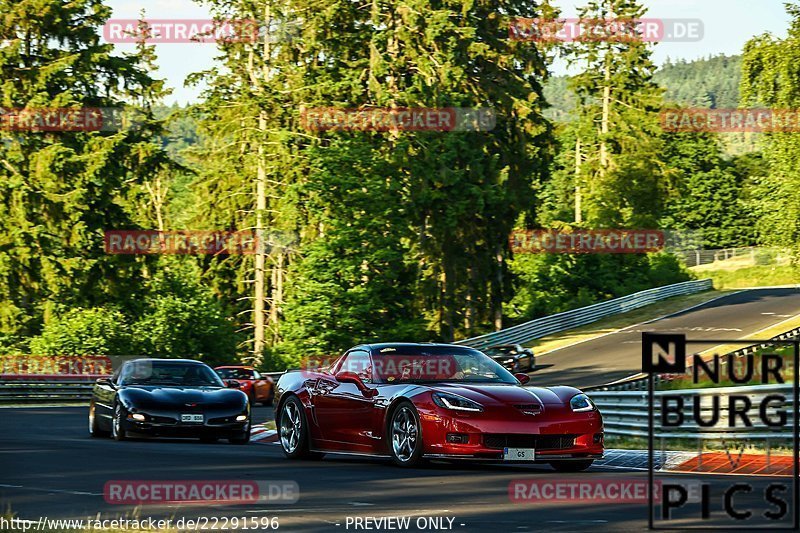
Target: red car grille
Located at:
point(539, 442)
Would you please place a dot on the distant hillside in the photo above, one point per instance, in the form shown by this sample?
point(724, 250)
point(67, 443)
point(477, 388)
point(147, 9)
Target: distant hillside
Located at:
point(711, 82)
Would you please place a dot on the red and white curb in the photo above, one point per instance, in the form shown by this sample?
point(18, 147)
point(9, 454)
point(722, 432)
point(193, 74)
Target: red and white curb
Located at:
point(260, 434)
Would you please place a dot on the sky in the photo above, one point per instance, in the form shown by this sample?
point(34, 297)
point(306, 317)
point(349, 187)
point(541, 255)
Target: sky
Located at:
point(727, 25)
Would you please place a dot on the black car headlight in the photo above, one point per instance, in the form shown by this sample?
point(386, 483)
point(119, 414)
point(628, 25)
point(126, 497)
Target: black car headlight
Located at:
point(581, 403)
point(455, 402)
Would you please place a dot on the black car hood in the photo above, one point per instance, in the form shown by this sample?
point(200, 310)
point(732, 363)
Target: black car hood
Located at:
point(162, 395)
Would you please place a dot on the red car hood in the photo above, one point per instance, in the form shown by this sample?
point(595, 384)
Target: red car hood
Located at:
point(486, 394)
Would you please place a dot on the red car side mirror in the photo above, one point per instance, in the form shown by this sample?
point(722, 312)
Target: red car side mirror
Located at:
point(523, 378)
point(351, 377)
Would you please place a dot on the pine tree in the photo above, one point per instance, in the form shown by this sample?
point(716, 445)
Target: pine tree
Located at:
point(60, 190)
point(618, 125)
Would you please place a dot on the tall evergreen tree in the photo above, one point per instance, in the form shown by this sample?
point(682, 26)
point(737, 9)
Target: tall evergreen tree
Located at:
point(60, 190)
point(620, 175)
point(458, 193)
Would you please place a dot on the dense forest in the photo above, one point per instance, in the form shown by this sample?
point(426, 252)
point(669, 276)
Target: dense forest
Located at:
point(393, 235)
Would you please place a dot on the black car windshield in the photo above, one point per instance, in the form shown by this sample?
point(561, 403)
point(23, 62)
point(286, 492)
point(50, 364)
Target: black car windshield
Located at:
point(167, 373)
point(438, 367)
point(235, 373)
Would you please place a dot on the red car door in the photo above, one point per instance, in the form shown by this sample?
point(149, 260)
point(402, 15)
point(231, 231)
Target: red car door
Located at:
point(345, 414)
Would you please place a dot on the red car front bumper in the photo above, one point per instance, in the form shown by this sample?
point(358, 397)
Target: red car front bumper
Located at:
point(556, 434)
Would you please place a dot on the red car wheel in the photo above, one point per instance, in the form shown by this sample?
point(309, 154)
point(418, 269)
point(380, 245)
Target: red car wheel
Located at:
point(293, 431)
point(405, 434)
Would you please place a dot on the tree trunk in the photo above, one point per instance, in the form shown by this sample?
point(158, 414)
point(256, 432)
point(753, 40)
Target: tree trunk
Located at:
point(604, 123)
point(578, 198)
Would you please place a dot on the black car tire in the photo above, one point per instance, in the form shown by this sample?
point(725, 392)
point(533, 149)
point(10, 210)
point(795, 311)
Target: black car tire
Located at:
point(118, 430)
point(293, 429)
point(404, 425)
point(251, 397)
point(94, 427)
point(571, 466)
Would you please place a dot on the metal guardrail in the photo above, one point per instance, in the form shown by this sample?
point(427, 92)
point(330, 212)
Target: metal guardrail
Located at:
point(33, 391)
point(625, 413)
point(50, 391)
point(540, 327)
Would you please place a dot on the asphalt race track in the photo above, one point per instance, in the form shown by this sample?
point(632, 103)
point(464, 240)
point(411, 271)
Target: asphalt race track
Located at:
point(51, 467)
point(618, 355)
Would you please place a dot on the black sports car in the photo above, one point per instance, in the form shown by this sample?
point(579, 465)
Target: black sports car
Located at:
point(513, 356)
point(169, 397)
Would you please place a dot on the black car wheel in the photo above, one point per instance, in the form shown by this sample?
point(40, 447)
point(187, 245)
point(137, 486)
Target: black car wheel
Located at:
point(405, 435)
point(94, 429)
point(571, 466)
point(118, 430)
point(293, 431)
point(252, 397)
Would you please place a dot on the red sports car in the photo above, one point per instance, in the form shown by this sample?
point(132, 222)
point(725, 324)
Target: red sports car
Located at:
point(257, 387)
point(412, 402)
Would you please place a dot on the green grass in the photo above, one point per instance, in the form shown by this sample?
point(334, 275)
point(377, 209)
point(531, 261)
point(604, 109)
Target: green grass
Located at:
point(749, 276)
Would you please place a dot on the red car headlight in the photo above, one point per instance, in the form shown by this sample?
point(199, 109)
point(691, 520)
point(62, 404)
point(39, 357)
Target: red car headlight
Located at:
point(455, 402)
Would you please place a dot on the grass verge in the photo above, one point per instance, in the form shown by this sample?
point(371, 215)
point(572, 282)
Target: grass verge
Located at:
point(750, 276)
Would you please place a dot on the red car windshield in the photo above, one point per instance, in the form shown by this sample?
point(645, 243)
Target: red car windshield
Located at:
point(462, 367)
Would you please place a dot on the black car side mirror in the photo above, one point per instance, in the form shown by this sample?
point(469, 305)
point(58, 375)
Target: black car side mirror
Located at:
point(104, 382)
point(233, 384)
